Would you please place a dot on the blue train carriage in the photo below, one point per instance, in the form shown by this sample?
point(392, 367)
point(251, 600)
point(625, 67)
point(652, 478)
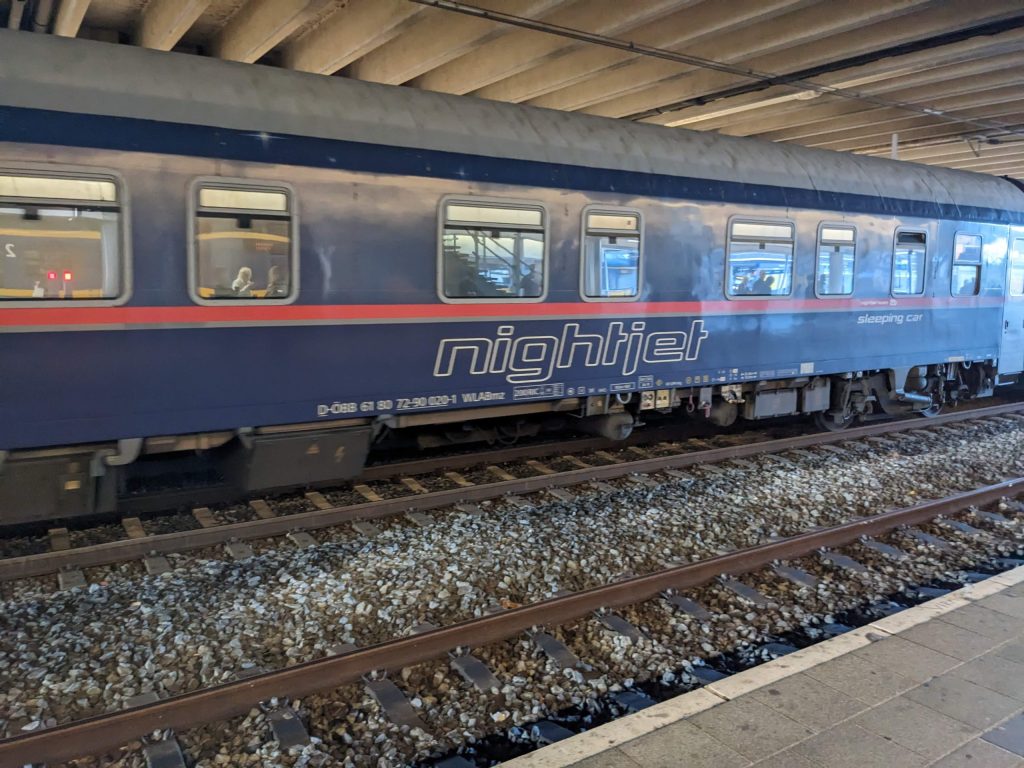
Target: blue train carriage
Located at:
point(218, 276)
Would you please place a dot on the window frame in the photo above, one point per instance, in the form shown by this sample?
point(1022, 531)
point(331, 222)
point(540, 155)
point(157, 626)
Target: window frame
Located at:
point(611, 210)
point(1010, 251)
point(123, 204)
point(492, 202)
point(249, 185)
point(892, 267)
point(822, 225)
point(727, 278)
point(979, 264)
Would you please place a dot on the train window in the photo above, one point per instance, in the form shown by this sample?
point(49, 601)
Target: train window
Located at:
point(760, 258)
point(243, 243)
point(492, 251)
point(908, 264)
point(60, 238)
point(966, 277)
point(611, 254)
point(1017, 268)
point(836, 256)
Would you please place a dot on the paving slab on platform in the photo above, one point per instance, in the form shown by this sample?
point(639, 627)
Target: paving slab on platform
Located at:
point(941, 684)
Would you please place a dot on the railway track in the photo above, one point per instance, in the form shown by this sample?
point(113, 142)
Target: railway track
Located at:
point(222, 702)
point(217, 703)
point(365, 503)
point(391, 468)
point(402, 477)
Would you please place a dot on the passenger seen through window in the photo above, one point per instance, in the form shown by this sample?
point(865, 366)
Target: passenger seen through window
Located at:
point(760, 258)
point(243, 244)
point(492, 252)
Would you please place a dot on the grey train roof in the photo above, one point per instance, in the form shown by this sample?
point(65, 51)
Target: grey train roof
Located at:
point(71, 75)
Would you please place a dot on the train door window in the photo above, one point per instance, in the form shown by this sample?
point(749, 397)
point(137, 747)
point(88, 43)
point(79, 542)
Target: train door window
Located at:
point(243, 243)
point(908, 264)
point(966, 277)
point(1017, 268)
point(836, 257)
point(611, 254)
point(760, 258)
point(60, 238)
point(492, 250)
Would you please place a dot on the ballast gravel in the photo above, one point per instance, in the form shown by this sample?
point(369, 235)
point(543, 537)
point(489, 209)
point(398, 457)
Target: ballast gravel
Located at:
point(67, 655)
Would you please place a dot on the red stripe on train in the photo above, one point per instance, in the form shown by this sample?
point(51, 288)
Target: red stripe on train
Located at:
point(119, 316)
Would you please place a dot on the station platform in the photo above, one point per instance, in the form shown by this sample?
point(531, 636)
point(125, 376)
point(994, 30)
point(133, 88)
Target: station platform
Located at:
point(940, 684)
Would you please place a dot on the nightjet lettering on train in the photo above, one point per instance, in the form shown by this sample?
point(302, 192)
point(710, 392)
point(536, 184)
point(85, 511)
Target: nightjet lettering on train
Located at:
point(534, 359)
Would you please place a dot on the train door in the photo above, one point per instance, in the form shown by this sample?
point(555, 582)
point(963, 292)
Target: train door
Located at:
point(1011, 355)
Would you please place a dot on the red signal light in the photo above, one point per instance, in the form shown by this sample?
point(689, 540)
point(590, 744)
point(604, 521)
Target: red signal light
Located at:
point(67, 277)
point(51, 275)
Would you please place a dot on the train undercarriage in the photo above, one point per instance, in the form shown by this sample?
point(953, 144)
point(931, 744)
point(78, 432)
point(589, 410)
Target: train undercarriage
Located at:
point(37, 487)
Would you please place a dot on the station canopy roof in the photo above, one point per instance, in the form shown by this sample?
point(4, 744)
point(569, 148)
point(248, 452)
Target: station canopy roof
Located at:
point(942, 76)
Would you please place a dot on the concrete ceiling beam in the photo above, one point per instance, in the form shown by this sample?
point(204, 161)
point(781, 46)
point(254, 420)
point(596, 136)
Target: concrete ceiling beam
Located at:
point(631, 89)
point(676, 31)
point(1014, 171)
point(69, 17)
point(259, 25)
point(437, 38)
point(866, 143)
point(15, 13)
point(165, 22)
point(981, 105)
point(944, 95)
point(1013, 168)
point(521, 50)
point(947, 160)
point(719, 112)
point(928, 22)
point(986, 163)
point(779, 109)
point(349, 33)
point(909, 132)
point(957, 149)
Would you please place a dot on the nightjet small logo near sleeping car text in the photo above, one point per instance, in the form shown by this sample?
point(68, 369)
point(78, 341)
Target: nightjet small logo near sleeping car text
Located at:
point(534, 359)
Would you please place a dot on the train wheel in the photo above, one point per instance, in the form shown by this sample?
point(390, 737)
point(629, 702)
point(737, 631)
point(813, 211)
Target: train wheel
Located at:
point(825, 421)
point(507, 435)
point(938, 401)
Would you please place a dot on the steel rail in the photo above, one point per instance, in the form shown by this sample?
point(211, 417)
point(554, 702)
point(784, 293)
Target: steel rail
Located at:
point(412, 467)
point(109, 731)
point(44, 563)
point(662, 433)
point(164, 501)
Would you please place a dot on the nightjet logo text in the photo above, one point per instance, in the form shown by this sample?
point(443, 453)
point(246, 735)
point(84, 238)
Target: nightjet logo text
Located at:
point(534, 359)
